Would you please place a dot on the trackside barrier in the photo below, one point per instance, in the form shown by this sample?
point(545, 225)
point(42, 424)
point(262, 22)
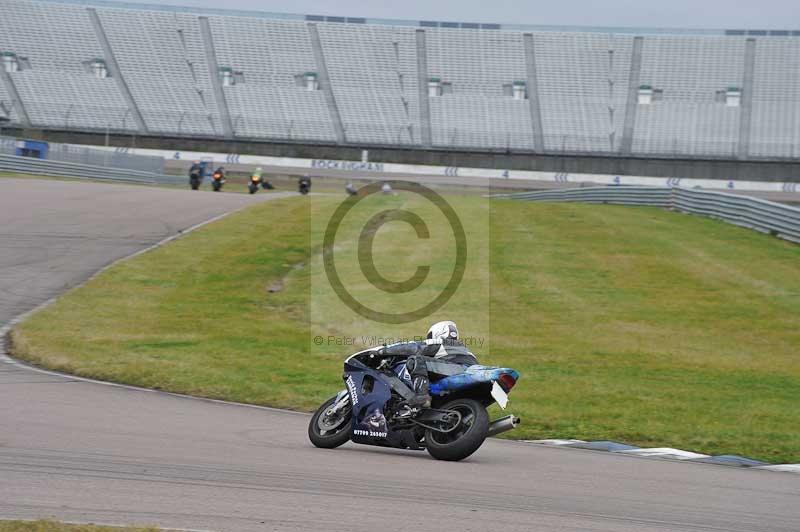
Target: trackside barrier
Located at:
point(71, 153)
point(766, 216)
point(387, 170)
point(27, 165)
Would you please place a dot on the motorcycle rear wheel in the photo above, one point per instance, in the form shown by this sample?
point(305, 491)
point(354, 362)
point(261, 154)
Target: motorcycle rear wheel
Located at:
point(464, 440)
point(339, 432)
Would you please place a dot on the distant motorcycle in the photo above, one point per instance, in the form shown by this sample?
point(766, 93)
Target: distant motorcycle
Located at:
point(195, 180)
point(197, 172)
point(255, 180)
point(369, 411)
point(304, 185)
point(218, 179)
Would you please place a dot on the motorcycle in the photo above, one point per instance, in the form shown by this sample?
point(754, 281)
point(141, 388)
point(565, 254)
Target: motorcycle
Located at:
point(217, 180)
point(304, 186)
point(370, 410)
point(254, 182)
point(194, 181)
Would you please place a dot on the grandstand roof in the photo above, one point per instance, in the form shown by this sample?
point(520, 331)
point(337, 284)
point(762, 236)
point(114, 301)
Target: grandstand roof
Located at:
point(431, 23)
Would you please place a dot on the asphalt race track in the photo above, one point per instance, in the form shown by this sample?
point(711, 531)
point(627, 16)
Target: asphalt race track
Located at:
point(82, 451)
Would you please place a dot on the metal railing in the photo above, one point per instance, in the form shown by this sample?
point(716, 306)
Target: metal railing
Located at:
point(185, 124)
point(70, 153)
point(769, 217)
point(29, 165)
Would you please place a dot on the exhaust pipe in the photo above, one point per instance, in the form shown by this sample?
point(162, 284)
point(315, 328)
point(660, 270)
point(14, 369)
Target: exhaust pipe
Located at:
point(502, 425)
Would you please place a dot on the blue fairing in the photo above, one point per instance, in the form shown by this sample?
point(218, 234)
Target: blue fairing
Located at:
point(472, 375)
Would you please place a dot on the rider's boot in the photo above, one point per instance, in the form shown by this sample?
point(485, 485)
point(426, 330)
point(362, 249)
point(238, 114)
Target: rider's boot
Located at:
point(422, 396)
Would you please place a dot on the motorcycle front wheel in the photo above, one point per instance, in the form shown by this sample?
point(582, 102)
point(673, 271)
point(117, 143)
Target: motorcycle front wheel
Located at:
point(466, 438)
point(327, 429)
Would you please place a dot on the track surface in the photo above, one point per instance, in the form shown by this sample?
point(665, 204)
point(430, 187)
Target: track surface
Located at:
point(82, 451)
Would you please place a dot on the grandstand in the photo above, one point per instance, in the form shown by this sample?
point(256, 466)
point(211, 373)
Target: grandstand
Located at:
point(152, 70)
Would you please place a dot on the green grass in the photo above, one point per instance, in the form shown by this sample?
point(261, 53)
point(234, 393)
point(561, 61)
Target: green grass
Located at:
point(54, 526)
point(650, 327)
point(632, 324)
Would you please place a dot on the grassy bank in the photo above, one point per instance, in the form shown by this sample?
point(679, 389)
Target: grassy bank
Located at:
point(631, 324)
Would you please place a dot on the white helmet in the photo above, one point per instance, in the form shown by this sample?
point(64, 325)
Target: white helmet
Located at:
point(443, 330)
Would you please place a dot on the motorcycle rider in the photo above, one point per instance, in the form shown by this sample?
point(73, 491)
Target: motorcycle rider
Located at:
point(442, 343)
point(195, 170)
point(259, 175)
point(304, 183)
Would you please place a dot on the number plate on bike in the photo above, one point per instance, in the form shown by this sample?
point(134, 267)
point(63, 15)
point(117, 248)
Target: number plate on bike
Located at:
point(499, 395)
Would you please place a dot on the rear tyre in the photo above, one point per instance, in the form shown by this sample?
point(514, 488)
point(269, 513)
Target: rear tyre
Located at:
point(329, 432)
point(253, 189)
point(466, 438)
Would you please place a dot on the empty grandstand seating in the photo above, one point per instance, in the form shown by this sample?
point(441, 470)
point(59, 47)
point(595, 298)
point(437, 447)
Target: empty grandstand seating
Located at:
point(68, 100)
point(583, 88)
point(58, 90)
point(373, 71)
point(270, 104)
point(54, 37)
point(689, 119)
point(167, 75)
point(578, 98)
point(8, 109)
point(476, 113)
point(776, 99)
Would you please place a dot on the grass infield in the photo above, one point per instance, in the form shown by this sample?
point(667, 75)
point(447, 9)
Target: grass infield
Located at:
point(626, 323)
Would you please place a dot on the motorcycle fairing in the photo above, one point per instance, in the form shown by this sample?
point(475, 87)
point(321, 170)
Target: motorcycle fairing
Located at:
point(475, 374)
point(369, 404)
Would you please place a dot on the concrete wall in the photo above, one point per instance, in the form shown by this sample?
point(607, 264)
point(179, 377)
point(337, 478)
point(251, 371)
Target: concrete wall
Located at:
point(754, 170)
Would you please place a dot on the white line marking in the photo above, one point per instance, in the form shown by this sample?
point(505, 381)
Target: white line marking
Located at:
point(787, 468)
point(663, 451)
point(553, 442)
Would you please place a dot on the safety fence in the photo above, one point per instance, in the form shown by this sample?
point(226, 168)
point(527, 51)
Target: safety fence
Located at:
point(769, 217)
point(76, 154)
point(30, 165)
point(71, 153)
point(477, 138)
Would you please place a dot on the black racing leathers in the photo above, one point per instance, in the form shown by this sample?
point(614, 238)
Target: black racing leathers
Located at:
point(447, 350)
